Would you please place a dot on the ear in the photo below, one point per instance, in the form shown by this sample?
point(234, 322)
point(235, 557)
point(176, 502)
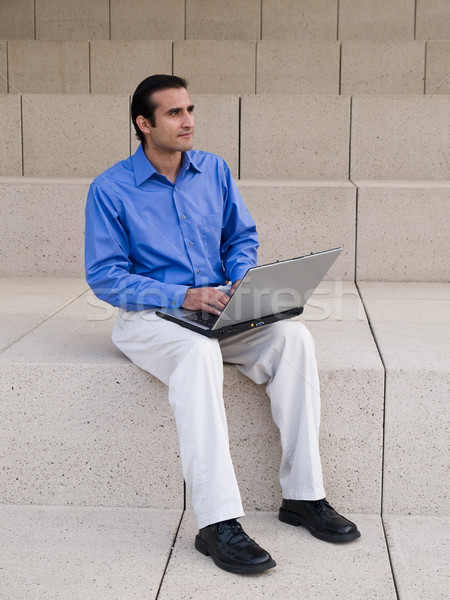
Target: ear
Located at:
point(143, 124)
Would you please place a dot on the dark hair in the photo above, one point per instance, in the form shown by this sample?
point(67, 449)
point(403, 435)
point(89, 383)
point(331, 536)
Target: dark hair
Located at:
point(142, 104)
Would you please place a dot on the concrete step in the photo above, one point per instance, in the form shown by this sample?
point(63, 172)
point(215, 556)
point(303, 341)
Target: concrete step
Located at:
point(306, 567)
point(313, 137)
point(400, 137)
point(411, 324)
point(216, 66)
point(26, 302)
point(196, 19)
point(45, 218)
point(402, 232)
point(82, 553)
point(83, 426)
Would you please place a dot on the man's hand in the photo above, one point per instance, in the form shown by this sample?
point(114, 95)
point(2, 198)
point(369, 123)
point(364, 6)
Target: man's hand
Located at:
point(207, 299)
point(234, 286)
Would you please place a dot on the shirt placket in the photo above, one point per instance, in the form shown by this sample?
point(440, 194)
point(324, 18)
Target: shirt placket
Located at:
point(190, 235)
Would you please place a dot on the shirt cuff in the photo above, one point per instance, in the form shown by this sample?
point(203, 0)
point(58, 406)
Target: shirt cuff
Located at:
point(175, 295)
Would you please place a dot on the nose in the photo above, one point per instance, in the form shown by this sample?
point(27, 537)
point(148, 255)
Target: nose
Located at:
point(188, 120)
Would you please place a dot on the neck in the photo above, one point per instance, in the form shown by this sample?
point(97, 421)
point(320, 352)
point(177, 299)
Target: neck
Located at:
point(167, 163)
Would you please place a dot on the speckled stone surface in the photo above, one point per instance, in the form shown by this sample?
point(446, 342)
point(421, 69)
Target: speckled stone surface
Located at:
point(419, 548)
point(438, 72)
point(111, 60)
point(58, 146)
point(296, 218)
point(44, 218)
point(381, 20)
point(411, 323)
point(27, 301)
point(82, 425)
point(309, 139)
point(297, 67)
point(433, 20)
point(3, 68)
point(306, 567)
point(382, 67)
point(158, 20)
point(108, 436)
point(10, 118)
point(229, 20)
point(400, 137)
point(17, 20)
point(294, 20)
point(63, 20)
point(216, 66)
point(48, 67)
point(84, 553)
point(420, 253)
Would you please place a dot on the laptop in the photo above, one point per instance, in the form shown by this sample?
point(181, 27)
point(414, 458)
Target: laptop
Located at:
point(267, 293)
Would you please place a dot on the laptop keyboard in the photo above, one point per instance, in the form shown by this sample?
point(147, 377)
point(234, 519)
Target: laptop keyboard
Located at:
point(208, 320)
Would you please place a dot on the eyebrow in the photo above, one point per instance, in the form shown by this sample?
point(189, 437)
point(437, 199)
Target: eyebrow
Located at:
point(177, 108)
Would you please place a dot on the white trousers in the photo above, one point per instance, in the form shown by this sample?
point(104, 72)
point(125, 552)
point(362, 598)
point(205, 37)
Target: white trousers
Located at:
point(281, 355)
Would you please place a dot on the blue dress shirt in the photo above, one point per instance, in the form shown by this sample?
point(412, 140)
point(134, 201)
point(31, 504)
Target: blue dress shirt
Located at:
point(147, 240)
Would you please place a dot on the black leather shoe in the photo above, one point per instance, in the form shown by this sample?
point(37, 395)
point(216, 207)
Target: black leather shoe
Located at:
point(321, 520)
point(232, 549)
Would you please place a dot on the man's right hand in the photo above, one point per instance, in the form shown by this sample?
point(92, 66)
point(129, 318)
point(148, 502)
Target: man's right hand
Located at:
point(207, 299)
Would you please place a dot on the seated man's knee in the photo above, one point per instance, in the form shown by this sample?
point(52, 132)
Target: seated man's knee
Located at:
point(292, 329)
point(204, 348)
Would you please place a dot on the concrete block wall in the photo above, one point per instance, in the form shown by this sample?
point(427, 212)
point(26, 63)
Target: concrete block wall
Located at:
point(234, 19)
point(393, 149)
point(227, 66)
point(298, 137)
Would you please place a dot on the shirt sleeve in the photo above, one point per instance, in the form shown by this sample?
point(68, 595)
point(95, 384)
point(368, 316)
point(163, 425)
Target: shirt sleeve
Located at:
point(239, 243)
point(108, 267)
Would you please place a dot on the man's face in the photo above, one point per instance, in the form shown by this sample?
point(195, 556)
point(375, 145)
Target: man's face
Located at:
point(174, 121)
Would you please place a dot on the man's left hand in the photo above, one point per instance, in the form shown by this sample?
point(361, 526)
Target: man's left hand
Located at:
point(234, 286)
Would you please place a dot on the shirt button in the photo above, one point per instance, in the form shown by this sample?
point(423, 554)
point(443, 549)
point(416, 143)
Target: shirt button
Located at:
point(175, 189)
point(183, 216)
point(198, 270)
point(191, 243)
point(173, 303)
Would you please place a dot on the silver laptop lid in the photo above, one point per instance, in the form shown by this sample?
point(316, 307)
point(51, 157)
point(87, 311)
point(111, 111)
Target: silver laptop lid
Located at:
point(277, 287)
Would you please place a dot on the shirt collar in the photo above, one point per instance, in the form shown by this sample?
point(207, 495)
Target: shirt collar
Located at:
point(143, 168)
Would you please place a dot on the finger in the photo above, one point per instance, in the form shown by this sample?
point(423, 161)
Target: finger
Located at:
point(218, 303)
point(210, 309)
point(221, 298)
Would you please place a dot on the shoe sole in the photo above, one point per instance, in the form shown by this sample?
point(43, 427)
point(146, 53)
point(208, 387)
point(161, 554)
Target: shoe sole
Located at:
point(293, 519)
point(203, 548)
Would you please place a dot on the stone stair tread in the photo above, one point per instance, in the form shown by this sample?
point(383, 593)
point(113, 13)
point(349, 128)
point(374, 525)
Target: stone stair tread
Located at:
point(80, 332)
point(25, 302)
point(419, 547)
point(83, 553)
point(111, 424)
point(306, 567)
point(411, 322)
point(96, 552)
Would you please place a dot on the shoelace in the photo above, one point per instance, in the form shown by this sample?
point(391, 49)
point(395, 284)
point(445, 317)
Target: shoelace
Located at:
point(319, 505)
point(235, 529)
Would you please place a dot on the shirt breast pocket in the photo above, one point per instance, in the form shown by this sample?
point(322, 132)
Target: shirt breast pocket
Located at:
point(212, 233)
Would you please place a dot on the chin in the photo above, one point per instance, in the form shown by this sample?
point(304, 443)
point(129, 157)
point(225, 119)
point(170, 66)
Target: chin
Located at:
point(186, 146)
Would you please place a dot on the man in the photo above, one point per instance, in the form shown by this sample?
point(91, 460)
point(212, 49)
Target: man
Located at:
point(165, 227)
